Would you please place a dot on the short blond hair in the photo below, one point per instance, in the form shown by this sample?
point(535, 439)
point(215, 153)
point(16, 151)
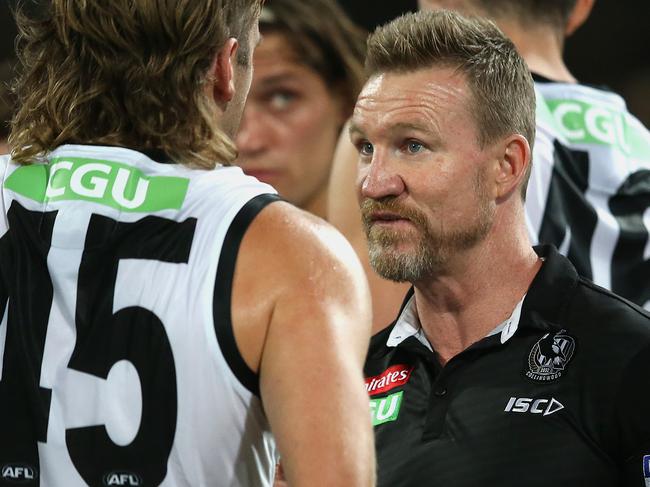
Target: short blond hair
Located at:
point(500, 82)
point(125, 72)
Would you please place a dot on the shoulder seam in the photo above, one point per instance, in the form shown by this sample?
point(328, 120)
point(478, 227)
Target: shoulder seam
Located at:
point(604, 292)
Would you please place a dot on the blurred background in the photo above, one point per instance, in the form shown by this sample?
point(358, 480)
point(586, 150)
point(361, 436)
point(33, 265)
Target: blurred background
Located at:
point(611, 49)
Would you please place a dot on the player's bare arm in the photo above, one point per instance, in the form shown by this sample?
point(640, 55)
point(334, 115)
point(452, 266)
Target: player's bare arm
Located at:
point(317, 322)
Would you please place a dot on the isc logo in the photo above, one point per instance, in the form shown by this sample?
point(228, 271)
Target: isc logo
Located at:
point(533, 406)
point(18, 473)
point(122, 479)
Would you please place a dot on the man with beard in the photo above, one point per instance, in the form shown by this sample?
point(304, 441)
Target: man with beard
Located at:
point(504, 367)
point(589, 189)
point(590, 186)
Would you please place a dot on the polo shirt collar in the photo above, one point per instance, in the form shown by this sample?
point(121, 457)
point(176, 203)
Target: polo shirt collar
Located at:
point(541, 308)
point(551, 290)
point(408, 325)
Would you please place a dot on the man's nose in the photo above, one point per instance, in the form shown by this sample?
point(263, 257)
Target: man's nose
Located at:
point(380, 178)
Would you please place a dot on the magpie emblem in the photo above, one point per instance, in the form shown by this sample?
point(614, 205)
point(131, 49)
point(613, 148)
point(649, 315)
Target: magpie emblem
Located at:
point(549, 356)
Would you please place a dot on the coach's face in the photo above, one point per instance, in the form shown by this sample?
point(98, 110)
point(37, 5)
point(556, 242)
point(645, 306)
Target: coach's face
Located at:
point(423, 181)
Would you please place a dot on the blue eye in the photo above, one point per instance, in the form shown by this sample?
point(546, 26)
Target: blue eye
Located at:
point(413, 147)
point(366, 149)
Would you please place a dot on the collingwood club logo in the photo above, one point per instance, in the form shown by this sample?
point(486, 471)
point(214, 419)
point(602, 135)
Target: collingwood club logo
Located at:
point(549, 356)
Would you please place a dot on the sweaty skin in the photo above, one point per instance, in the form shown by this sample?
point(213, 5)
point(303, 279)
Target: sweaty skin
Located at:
point(307, 337)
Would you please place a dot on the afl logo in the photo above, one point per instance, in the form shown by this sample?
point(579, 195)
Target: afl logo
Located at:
point(122, 479)
point(18, 473)
point(549, 356)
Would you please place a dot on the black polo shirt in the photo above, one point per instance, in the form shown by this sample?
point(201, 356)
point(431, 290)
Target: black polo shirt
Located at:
point(561, 398)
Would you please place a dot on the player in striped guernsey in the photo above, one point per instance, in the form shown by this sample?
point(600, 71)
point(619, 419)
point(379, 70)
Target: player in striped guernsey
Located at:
point(590, 184)
point(588, 193)
point(162, 313)
point(515, 360)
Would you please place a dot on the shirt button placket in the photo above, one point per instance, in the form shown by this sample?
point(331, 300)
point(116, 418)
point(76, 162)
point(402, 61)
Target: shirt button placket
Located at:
point(437, 413)
point(440, 391)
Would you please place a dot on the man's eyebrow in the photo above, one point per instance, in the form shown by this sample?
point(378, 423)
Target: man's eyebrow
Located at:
point(354, 129)
point(278, 78)
point(419, 127)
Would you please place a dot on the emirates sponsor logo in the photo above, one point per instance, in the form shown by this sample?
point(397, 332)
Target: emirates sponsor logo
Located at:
point(392, 377)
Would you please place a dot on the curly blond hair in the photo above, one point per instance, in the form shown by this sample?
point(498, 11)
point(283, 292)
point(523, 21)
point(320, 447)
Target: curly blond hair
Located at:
point(125, 72)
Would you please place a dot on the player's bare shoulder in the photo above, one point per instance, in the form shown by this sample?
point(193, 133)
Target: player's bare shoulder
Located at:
point(291, 261)
point(298, 246)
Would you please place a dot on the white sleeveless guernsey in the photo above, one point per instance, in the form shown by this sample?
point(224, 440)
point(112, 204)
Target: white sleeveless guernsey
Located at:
point(118, 364)
point(589, 191)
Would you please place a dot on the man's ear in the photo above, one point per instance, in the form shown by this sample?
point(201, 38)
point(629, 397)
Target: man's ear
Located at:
point(223, 71)
point(578, 16)
point(512, 164)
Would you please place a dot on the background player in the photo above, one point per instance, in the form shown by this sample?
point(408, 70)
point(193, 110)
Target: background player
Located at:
point(308, 73)
point(588, 193)
point(503, 358)
point(590, 185)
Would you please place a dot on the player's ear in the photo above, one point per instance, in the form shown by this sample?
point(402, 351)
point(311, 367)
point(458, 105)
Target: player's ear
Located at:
point(512, 164)
point(222, 72)
point(578, 15)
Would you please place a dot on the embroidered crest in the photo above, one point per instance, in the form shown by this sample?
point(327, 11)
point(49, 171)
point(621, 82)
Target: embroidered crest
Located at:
point(549, 356)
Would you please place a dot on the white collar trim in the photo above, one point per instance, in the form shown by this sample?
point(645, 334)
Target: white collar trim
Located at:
point(408, 325)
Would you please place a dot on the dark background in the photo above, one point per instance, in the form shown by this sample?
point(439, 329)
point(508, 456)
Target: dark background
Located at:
point(612, 48)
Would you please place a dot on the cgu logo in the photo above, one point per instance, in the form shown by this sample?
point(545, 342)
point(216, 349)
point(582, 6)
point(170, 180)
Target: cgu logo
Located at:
point(580, 122)
point(91, 180)
point(18, 473)
point(385, 409)
point(533, 406)
point(122, 479)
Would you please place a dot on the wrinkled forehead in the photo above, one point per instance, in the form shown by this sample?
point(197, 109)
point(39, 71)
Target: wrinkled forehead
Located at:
point(427, 96)
point(442, 84)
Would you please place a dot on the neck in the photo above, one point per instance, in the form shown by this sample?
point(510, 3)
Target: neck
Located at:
point(317, 205)
point(4, 148)
point(541, 46)
point(477, 290)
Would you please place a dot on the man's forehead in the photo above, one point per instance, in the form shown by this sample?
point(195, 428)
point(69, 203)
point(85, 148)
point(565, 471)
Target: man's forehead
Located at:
point(430, 87)
point(422, 101)
point(415, 78)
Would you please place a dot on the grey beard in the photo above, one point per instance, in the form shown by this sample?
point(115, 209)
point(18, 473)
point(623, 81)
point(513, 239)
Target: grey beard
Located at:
point(432, 252)
point(400, 267)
